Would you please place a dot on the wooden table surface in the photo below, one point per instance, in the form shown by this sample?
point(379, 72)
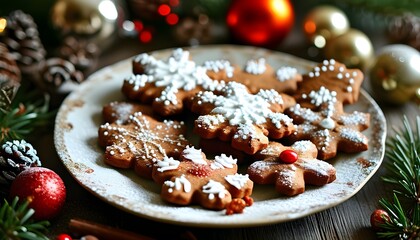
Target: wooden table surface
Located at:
point(349, 220)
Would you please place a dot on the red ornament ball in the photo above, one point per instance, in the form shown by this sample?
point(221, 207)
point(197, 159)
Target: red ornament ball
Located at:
point(44, 190)
point(262, 23)
point(288, 156)
point(63, 236)
point(379, 217)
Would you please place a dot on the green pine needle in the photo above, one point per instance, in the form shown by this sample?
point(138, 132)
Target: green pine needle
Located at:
point(16, 222)
point(404, 174)
point(28, 112)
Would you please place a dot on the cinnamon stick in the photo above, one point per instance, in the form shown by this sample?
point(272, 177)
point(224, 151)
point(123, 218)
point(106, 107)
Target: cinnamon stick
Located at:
point(103, 232)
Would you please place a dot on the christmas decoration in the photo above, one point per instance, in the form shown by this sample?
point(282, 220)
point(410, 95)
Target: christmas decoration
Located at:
point(9, 77)
point(60, 76)
point(80, 52)
point(395, 74)
point(16, 156)
point(288, 156)
point(64, 236)
point(22, 39)
point(323, 23)
point(16, 222)
point(98, 20)
point(194, 31)
point(28, 111)
point(405, 29)
point(44, 190)
point(378, 218)
point(263, 24)
point(401, 221)
point(353, 48)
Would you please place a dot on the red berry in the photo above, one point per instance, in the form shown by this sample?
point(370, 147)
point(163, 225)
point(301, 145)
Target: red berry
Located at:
point(44, 190)
point(63, 236)
point(379, 217)
point(288, 156)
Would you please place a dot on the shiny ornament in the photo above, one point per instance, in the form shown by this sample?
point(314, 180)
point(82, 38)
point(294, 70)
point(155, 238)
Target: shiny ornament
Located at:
point(261, 23)
point(323, 23)
point(97, 19)
point(63, 236)
point(353, 48)
point(44, 190)
point(395, 75)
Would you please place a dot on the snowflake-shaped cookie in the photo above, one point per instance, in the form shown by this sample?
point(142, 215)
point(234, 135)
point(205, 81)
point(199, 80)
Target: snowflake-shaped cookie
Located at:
point(256, 74)
point(196, 180)
point(335, 77)
point(167, 84)
point(140, 142)
point(330, 128)
point(290, 178)
point(247, 120)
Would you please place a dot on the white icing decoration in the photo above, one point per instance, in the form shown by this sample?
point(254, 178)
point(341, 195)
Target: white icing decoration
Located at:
point(167, 164)
point(179, 183)
point(194, 155)
point(327, 123)
point(219, 65)
point(286, 73)
point(213, 188)
point(237, 180)
point(137, 81)
point(255, 67)
point(223, 161)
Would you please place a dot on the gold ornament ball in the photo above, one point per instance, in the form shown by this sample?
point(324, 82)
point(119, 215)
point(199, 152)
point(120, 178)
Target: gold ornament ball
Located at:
point(353, 48)
point(395, 75)
point(96, 19)
point(323, 23)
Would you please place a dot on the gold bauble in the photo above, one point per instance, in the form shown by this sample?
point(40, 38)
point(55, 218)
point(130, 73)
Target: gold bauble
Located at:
point(323, 23)
point(395, 75)
point(96, 19)
point(353, 48)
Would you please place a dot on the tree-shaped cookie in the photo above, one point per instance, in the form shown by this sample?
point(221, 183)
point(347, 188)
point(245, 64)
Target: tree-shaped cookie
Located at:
point(335, 77)
point(291, 168)
point(329, 128)
point(196, 180)
point(140, 142)
point(167, 84)
point(256, 74)
point(247, 120)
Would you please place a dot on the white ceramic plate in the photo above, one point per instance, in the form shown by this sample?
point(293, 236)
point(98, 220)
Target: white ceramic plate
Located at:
point(79, 117)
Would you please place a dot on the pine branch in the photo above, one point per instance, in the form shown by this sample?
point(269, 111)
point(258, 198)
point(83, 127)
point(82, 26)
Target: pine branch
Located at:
point(383, 7)
point(16, 222)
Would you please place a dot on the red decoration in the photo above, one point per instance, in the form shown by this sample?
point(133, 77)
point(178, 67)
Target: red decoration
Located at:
point(63, 236)
point(379, 217)
point(288, 156)
point(44, 190)
point(261, 23)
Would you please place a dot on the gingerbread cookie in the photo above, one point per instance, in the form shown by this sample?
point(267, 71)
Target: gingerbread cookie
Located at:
point(119, 112)
point(140, 142)
point(291, 168)
point(196, 180)
point(256, 74)
point(335, 77)
point(330, 128)
point(167, 84)
point(245, 119)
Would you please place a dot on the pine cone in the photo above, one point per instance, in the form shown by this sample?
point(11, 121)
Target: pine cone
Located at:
point(16, 156)
point(60, 75)
point(80, 52)
point(22, 40)
point(9, 77)
point(405, 29)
